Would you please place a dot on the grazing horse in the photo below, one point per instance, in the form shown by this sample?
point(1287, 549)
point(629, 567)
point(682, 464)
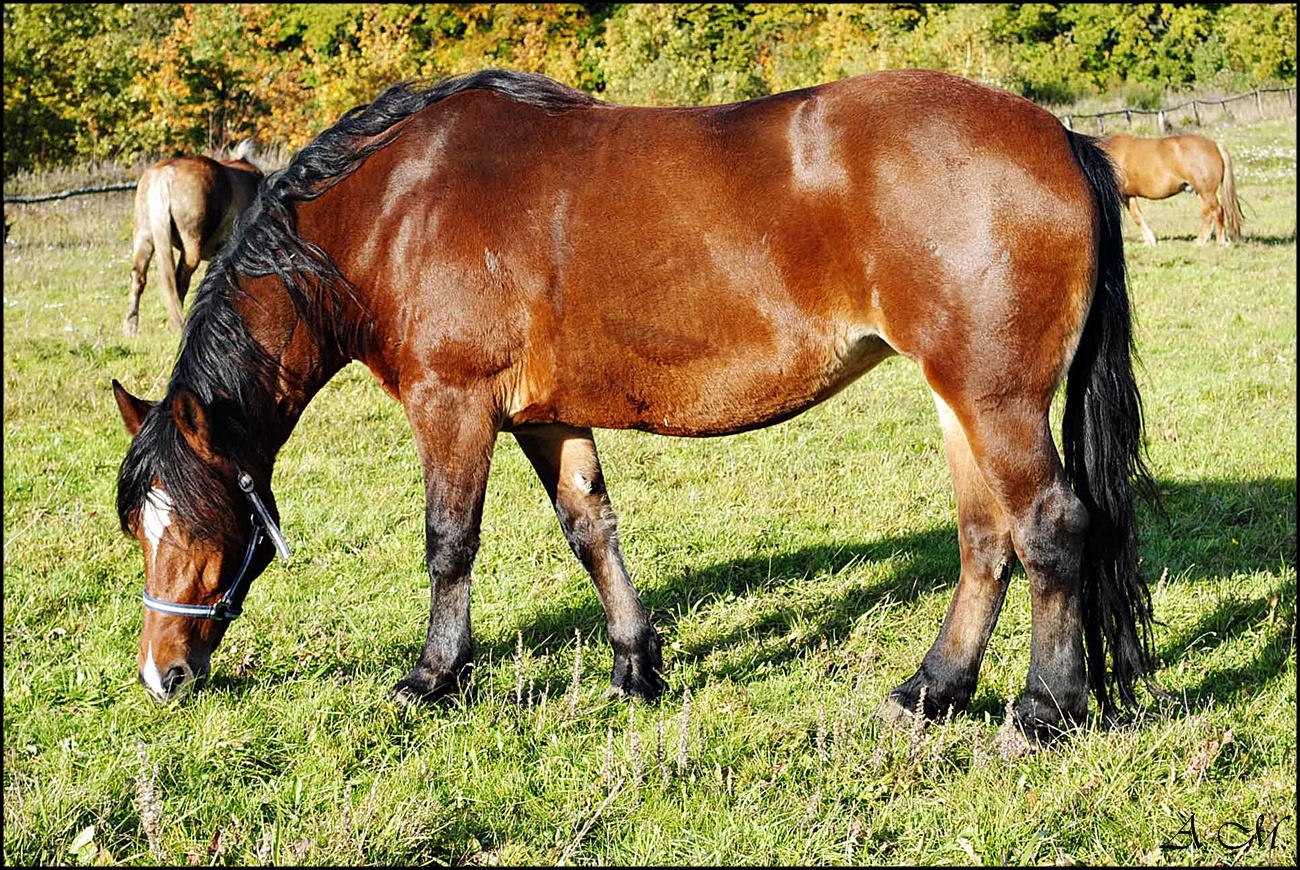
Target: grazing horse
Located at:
point(507, 254)
point(192, 203)
point(1160, 168)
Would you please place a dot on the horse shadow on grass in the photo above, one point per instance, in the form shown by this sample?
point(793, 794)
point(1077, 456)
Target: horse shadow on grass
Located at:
point(1246, 239)
point(1213, 528)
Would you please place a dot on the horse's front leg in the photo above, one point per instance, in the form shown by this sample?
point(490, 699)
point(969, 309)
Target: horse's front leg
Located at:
point(565, 460)
point(454, 434)
point(1147, 236)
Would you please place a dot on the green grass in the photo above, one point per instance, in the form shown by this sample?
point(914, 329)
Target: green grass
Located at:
point(796, 574)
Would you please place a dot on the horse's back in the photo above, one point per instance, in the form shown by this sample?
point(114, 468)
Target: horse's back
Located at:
point(672, 268)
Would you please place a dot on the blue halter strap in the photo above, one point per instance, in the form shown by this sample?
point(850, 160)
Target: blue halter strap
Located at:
point(231, 603)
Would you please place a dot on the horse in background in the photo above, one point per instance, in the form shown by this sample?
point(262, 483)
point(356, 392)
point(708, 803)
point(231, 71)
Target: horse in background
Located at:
point(191, 203)
point(1160, 168)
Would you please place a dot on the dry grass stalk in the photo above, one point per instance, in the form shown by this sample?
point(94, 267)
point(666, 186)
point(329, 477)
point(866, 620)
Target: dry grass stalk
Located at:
point(636, 760)
point(149, 803)
point(348, 826)
point(813, 807)
point(607, 763)
point(1010, 742)
point(582, 832)
point(820, 738)
point(877, 755)
point(1210, 750)
point(943, 734)
point(577, 673)
point(659, 747)
point(855, 828)
point(838, 742)
point(263, 851)
point(684, 730)
point(918, 723)
point(519, 669)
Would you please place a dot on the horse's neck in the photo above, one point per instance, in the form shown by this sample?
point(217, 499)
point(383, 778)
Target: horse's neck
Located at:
point(304, 366)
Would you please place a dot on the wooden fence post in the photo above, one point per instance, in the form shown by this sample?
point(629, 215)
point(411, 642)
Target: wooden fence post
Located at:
point(1160, 121)
point(1259, 103)
point(1197, 112)
point(1101, 124)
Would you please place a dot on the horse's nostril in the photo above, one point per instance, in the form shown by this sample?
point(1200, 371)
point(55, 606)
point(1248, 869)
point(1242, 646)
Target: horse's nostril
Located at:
point(176, 676)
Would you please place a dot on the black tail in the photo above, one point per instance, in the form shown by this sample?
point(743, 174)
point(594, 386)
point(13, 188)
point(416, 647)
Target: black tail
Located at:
point(1102, 438)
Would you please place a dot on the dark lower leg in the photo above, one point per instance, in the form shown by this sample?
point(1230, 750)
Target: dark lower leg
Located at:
point(566, 462)
point(1023, 472)
point(1050, 543)
point(951, 667)
point(455, 451)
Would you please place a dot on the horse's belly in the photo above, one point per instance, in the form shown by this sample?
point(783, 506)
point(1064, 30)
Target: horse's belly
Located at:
point(729, 392)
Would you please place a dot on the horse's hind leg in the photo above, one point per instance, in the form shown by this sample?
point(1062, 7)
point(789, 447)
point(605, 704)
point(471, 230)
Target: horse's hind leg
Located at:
point(950, 669)
point(1211, 217)
point(454, 434)
point(1132, 203)
point(185, 268)
point(142, 252)
point(1011, 443)
point(565, 460)
point(1049, 524)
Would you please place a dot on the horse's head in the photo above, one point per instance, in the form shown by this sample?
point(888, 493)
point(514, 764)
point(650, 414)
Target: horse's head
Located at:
point(207, 528)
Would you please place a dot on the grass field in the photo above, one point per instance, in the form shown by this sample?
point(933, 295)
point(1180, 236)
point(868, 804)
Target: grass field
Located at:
point(796, 574)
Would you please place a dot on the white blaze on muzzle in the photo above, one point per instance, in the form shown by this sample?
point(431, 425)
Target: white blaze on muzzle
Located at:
point(156, 516)
point(150, 674)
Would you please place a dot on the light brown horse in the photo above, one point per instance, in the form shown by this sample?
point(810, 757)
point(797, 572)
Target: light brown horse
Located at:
point(191, 203)
point(510, 255)
point(1160, 168)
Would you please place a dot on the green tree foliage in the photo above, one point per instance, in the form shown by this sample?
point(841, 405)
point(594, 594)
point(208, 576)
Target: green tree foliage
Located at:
point(67, 74)
point(101, 80)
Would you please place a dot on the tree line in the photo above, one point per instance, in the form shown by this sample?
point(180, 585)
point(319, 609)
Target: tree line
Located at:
point(122, 81)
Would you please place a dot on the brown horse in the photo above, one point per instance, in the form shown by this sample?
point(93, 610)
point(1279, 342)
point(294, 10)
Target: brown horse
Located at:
point(1160, 168)
point(192, 203)
point(507, 254)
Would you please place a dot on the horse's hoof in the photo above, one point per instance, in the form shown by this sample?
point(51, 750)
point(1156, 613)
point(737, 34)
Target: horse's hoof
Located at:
point(422, 686)
point(637, 682)
point(131, 328)
point(894, 713)
point(1042, 723)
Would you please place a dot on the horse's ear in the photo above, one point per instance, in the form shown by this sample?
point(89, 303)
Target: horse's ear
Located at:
point(194, 423)
point(133, 409)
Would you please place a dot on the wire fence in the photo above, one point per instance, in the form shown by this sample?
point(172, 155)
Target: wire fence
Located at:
point(46, 197)
point(1190, 107)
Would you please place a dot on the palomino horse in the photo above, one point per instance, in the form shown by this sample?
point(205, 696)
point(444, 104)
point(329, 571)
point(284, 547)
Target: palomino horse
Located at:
point(192, 203)
point(1159, 168)
point(507, 254)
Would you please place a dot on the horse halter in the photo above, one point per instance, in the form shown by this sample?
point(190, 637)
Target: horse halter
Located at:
point(231, 603)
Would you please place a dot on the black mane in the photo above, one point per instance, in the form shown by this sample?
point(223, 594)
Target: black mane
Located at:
point(221, 362)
